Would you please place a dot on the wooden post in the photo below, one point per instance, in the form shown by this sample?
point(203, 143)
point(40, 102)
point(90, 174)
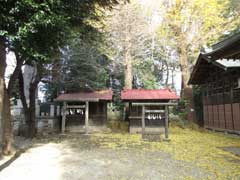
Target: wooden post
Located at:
point(166, 122)
point(231, 99)
point(86, 116)
point(64, 117)
point(143, 120)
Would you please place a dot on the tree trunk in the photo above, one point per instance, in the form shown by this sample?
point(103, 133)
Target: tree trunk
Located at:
point(172, 76)
point(7, 125)
point(32, 106)
point(2, 72)
point(7, 117)
point(186, 90)
point(128, 79)
point(29, 110)
point(167, 75)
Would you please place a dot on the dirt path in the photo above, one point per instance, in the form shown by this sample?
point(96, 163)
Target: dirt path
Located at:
point(79, 157)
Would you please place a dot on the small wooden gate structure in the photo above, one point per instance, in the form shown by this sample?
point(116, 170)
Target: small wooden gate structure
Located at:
point(161, 113)
point(84, 108)
point(148, 110)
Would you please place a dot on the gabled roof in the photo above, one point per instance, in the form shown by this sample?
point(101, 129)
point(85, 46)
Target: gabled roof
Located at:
point(104, 95)
point(226, 49)
point(225, 55)
point(147, 94)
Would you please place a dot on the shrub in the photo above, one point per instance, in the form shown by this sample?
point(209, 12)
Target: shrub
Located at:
point(177, 120)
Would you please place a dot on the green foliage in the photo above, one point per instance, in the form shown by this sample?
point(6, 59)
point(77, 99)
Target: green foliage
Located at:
point(114, 115)
point(179, 121)
point(35, 29)
point(145, 75)
point(84, 66)
point(115, 122)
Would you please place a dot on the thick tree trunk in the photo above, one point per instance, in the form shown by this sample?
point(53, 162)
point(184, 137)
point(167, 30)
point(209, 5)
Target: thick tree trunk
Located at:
point(167, 75)
point(7, 117)
point(2, 72)
point(128, 79)
point(7, 125)
point(186, 90)
point(29, 110)
point(23, 100)
point(32, 118)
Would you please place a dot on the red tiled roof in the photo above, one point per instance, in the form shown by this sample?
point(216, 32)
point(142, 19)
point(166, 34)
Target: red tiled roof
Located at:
point(86, 96)
point(145, 94)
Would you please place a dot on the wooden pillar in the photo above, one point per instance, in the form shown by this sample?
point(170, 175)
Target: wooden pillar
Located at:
point(105, 105)
point(64, 116)
point(231, 100)
point(143, 120)
point(86, 116)
point(166, 122)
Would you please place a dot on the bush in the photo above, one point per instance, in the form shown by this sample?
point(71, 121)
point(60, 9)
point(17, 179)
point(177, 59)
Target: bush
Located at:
point(178, 121)
point(115, 123)
point(124, 126)
point(114, 115)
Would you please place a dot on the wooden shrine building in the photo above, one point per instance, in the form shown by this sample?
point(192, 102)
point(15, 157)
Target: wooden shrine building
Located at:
point(83, 110)
point(218, 74)
point(148, 109)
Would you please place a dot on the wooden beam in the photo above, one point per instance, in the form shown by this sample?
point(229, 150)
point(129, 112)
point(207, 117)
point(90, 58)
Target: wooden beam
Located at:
point(143, 120)
point(154, 111)
point(166, 122)
point(86, 116)
point(79, 100)
point(231, 99)
point(154, 104)
point(64, 117)
point(75, 106)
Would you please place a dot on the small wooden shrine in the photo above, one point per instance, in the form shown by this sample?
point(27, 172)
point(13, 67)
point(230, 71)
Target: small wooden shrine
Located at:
point(84, 109)
point(148, 109)
point(218, 74)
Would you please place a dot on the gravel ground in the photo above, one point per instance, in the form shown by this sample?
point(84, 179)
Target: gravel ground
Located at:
point(78, 157)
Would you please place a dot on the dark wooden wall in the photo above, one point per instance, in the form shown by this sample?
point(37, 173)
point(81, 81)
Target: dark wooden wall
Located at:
point(221, 101)
point(97, 115)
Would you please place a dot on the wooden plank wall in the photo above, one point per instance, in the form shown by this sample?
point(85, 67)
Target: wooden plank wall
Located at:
point(236, 116)
point(215, 116)
point(221, 100)
point(222, 116)
point(228, 116)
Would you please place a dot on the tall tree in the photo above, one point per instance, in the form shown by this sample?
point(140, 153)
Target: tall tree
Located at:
point(63, 17)
point(27, 27)
point(82, 66)
point(193, 24)
point(128, 34)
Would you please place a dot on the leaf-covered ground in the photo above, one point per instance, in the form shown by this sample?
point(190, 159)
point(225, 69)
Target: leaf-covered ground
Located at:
point(189, 155)
point(202, 148)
